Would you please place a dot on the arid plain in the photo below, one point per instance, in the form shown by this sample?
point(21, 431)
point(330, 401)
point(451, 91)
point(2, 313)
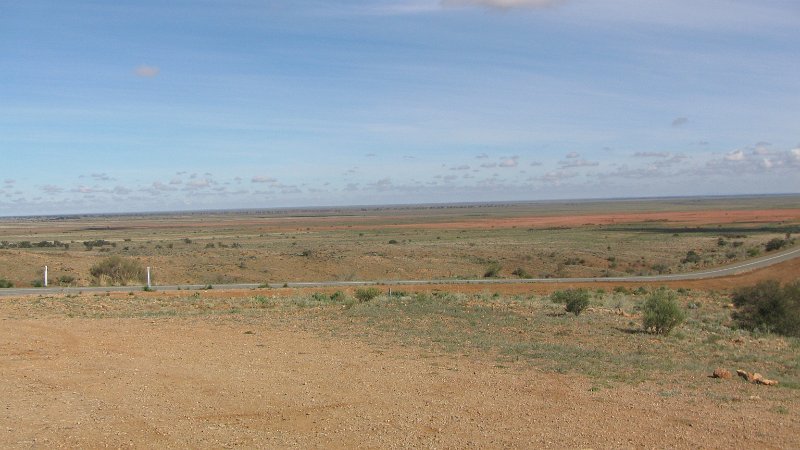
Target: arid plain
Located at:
point(453, 366)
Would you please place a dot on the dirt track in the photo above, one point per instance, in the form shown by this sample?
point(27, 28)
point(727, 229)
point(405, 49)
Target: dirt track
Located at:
point(265, 382)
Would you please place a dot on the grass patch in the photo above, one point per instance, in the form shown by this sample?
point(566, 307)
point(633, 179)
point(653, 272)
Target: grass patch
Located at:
point(508, 331)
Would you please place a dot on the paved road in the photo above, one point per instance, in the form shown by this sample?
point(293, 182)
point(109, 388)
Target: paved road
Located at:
point(734, 269)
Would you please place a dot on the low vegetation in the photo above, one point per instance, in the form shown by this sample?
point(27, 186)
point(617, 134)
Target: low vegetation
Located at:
point(769, 307)
point(607, 344)
point(116, 270)
point(574, 300)
point(661, 312)
point(776, 244)
point(493, 270)
point(367, 294)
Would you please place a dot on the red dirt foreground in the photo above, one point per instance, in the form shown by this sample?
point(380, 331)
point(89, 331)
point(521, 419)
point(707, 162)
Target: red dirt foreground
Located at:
point(261, 382)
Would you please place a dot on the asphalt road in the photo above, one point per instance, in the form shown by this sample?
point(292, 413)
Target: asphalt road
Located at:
point(746, 266)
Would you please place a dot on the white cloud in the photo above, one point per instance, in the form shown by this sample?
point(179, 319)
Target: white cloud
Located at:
point(198, 183)
point(461, 167)
point(577, 163)
point(652, 154)
point(755, 161)
point(573, 155)
point(146, 71)
point(84, 190)
point(161, 187)
point(502, 4)
point(736, 155)
point(509, 162)
point(384, 184)
point(679, 122)
point(52, 189)
point(556, 178)
point(624, 171)
point(262, 179)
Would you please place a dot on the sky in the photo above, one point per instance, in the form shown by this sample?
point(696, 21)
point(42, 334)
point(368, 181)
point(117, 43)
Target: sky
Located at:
point(164, 105)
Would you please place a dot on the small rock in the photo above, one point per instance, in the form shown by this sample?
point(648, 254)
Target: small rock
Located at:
point(722, 373)
point(756, 378)
point(745, 374)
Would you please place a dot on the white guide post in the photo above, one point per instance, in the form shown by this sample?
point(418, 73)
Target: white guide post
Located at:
point(45, 276)
point(148, 276)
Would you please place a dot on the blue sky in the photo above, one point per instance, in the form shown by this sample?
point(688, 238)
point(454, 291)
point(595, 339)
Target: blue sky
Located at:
point(193, 104)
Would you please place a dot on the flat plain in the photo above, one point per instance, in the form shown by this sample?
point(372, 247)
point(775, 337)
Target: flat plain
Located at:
point(600, 238)
point(448, 366)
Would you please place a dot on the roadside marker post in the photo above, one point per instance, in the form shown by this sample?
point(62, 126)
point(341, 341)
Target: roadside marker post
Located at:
point(45, 276)
point(148, 277)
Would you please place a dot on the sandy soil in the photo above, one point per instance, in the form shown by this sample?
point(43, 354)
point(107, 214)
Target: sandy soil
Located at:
point(271, 382)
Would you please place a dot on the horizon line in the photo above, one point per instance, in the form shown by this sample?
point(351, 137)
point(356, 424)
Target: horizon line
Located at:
point(390, 205)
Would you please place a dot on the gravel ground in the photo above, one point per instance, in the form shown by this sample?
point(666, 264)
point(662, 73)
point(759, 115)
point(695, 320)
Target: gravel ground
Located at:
point(271, 382)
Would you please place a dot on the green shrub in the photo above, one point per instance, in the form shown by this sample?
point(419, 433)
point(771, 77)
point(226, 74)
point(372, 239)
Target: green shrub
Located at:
point(5, 283)
point(493, 270)
point(768, 306)
point(116, 270)
point(263, 301)
point(775, 244)
point(66, 280)
point(660, 267)
point(661, 312)
point(520, 272)
point(338, 296)
point(691, 257)
point(576, 305)
point(367, 294)
point(576, 300)
point(320, 297)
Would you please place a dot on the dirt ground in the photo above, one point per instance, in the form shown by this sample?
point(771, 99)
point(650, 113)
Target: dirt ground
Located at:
point(272, 381)
point(281, 379)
